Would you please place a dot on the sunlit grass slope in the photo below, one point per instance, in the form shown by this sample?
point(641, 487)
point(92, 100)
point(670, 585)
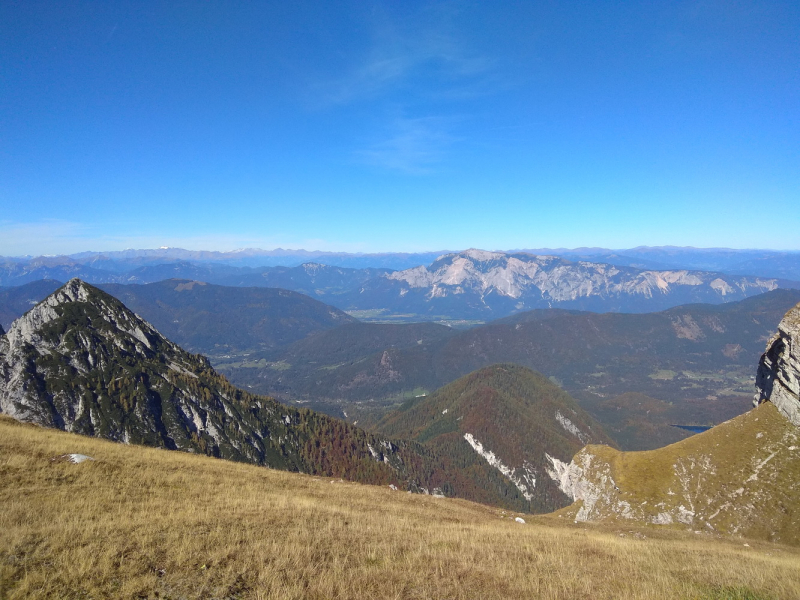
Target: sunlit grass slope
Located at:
point(141, 522)
point(740, 477)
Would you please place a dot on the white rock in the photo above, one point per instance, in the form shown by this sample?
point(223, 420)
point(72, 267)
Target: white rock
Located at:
point(77, 458)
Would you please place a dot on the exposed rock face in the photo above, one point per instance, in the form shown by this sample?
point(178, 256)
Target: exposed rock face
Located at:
point(778, 377)
point(44, 332)
point(476, 281)
point(741, 477)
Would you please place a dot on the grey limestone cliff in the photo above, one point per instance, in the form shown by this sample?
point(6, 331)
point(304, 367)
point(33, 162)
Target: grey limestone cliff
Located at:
point(778, 377)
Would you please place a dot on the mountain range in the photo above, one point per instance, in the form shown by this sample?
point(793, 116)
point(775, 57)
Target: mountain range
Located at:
point(215, 320)
point(638, 374)
point(476, 284)
point(761, 263)
point(505, 435)
point(473, 285)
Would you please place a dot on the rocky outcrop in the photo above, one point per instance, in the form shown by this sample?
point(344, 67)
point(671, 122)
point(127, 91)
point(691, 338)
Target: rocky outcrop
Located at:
point(778, 377)
point(741, 478)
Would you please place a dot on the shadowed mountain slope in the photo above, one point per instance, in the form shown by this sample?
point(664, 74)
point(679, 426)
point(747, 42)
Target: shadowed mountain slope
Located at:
point(215, 319)
point(206, 318)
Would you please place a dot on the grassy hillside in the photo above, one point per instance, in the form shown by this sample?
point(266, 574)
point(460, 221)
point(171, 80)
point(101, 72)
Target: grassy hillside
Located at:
point(741, 477)
point(143, 523)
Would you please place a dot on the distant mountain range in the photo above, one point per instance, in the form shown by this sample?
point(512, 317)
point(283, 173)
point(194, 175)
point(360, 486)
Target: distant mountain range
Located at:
point(761, 263)
point(470, 286)
point(637, 374)
point(216, 320)
point(486, 285)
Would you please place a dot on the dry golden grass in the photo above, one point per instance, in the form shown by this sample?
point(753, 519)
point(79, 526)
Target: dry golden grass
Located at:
point(145, 523)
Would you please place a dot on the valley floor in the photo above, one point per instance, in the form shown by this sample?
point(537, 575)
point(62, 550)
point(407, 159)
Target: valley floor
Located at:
point(144, 523)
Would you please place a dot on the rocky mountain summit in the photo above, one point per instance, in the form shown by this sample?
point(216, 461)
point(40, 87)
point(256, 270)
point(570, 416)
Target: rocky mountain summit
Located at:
point(480, 284)
point(778, 378)
point(741, 477)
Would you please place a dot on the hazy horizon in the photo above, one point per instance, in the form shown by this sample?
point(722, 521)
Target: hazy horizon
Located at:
point(288, 251)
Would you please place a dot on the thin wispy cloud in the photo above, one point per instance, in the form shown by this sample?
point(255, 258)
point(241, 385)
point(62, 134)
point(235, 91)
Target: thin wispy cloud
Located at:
point(413, 146)
point(421, 65)
point(429, 62)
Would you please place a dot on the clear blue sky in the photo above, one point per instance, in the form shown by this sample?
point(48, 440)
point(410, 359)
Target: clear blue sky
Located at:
point(397, 125)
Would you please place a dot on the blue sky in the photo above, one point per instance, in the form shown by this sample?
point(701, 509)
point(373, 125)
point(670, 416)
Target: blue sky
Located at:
point(406, 126)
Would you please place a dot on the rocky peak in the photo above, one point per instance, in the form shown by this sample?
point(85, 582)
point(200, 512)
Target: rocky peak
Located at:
point(778, 377)
point(533, 281)
point(109, 318)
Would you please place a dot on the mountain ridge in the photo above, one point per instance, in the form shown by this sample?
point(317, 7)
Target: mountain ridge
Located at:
point(82, 362)
point(470, 285)
point(687, 365)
